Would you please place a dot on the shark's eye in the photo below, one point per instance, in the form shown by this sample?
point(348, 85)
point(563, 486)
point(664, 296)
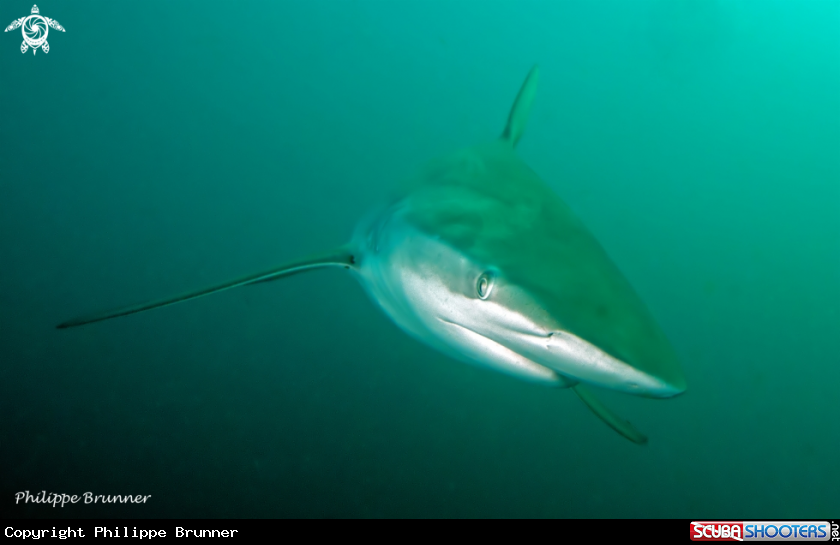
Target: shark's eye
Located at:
point(484, 285)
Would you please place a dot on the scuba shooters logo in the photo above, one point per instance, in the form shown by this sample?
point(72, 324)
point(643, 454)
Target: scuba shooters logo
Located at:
point(764, 531)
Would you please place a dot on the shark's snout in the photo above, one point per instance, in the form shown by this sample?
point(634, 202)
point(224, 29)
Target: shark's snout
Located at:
point(588, 363)
point(577, 360)
point(568, 355)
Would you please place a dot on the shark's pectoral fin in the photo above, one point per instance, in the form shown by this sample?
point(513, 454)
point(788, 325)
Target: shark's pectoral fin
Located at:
point(518, 117)
point(614, 421)
point(340, 257)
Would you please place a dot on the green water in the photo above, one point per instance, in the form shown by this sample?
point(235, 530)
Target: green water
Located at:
point(164, 146)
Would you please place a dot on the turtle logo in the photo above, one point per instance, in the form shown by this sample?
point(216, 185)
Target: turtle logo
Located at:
point(35, 30)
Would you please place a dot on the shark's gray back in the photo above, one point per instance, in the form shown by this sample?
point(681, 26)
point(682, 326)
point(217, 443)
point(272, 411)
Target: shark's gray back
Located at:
point(486, 202)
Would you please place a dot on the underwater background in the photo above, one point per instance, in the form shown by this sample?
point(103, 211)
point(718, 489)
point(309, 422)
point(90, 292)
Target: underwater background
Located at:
point(163, 146)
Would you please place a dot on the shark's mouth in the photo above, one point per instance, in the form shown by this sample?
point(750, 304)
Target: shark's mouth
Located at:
point(482, 350)
point(568, 356)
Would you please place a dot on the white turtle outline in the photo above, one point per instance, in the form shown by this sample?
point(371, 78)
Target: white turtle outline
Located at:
point(29, 42)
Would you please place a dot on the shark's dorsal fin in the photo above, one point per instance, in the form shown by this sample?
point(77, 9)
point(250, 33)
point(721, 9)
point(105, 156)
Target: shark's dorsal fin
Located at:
point(611, 419)
point(340, 257)
point(521, 108)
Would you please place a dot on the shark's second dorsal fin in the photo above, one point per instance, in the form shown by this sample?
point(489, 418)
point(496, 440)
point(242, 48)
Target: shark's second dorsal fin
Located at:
point(521, 108)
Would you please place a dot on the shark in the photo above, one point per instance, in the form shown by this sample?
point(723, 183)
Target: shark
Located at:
point(479, 258)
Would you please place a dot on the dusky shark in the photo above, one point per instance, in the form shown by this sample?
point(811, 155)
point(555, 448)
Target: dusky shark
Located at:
point(480, 259)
